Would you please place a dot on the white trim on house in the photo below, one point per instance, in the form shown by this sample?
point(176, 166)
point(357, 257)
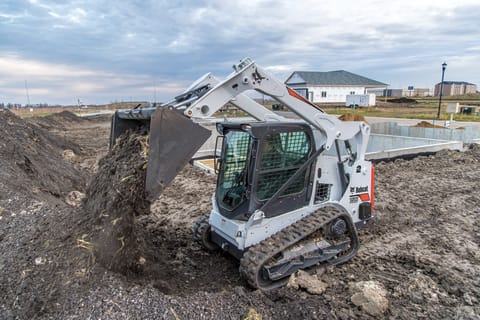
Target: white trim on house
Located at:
point(330, 87)
point(327, 94)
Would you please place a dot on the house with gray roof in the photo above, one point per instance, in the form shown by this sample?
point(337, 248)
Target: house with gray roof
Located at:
point(331, 86)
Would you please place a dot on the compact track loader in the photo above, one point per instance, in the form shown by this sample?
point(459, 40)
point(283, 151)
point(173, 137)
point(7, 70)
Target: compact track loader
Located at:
point(290, 193)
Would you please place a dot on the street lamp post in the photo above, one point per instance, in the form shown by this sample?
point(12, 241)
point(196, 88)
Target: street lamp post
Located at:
point(444, 66)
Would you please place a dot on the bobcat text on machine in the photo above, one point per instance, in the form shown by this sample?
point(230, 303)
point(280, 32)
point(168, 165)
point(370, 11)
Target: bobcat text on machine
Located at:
point(290, 193)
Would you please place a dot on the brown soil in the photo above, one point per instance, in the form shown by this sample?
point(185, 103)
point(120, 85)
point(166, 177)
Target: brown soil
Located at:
point(114, 198)
point(352, 117)
point(402, 100)
point(58, 120)
point(426, 124)
point(422, 248)
point(32, 159)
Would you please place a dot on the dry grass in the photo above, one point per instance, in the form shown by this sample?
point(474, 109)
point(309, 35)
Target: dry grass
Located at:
point(424, 108)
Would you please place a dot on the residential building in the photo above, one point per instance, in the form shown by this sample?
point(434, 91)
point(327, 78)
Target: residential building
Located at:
point(410, 92)
point(331, 86)
point(455, 88)
point(417, 92)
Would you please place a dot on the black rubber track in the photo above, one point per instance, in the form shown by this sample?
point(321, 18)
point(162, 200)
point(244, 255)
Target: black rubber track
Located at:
point(257, 256)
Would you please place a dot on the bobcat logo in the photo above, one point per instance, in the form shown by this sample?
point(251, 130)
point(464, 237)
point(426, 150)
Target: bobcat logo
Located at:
point(358, 189)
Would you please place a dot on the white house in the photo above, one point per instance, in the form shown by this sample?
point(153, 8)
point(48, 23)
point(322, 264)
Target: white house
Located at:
point(331, 86)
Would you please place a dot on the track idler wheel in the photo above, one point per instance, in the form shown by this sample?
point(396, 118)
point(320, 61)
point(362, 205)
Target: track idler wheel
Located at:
point(202, 234)
point(338, 227)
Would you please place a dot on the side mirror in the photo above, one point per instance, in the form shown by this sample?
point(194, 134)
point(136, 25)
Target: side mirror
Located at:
point(217, 164)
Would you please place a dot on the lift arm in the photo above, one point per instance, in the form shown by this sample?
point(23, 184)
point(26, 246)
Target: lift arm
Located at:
point(175, 138)
point(249, 76)
point(241, 101)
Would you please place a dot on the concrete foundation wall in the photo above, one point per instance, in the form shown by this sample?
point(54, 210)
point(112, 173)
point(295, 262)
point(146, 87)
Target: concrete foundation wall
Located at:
point(387, 146)
point(380, 146)
point(467, 135)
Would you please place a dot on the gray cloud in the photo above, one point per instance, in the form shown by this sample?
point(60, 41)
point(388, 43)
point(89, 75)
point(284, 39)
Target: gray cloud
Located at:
point(128, 48)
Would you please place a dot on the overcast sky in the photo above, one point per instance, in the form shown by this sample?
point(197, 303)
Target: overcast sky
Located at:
point(103, 51)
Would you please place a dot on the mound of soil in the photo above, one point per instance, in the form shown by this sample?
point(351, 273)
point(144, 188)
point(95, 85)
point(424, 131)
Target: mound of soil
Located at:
point(32, 160)
point(66, 116)
point(402, 100)
point(426, 124)
point(114, 198)
point(58, 120)
point(352, 117)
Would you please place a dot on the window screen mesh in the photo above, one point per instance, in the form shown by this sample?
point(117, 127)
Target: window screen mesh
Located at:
point(280, 157)
point(270, 182)
point(322, 192)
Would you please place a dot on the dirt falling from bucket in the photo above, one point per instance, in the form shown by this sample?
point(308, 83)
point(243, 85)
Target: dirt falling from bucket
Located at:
point(114, 198)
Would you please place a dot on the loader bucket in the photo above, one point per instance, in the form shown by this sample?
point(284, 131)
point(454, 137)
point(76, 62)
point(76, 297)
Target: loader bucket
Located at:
point(130, 119)
point(174, 139)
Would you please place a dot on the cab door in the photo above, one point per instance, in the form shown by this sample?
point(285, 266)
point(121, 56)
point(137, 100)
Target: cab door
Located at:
point(281, 153)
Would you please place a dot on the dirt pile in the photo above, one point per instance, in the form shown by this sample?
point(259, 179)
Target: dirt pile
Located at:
point(352, 117)
point(31, 159)
point(60, 120)
point(90, 134)
point(114, 198)
point(402, 100)
point(426, 124)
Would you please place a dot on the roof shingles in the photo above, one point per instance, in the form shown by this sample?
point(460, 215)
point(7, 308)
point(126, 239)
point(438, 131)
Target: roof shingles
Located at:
point(334, 78)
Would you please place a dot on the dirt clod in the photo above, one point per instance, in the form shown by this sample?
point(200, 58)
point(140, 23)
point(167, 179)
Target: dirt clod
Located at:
point(74, 198)
point(370, 296)
point(310, 283)
point(252, 315)
point(68, 155)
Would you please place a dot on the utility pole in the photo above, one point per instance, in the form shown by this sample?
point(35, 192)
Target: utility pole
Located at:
point(154, 95)
point(28, 96)
point(444, 66)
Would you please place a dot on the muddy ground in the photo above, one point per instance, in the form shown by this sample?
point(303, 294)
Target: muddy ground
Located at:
point(423, 247)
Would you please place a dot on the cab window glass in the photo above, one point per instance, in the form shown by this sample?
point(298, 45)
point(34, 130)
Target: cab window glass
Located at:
point(281, 155)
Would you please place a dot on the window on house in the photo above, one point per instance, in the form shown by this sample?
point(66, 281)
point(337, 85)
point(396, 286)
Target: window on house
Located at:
point(324, 94)
point(302, 92)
